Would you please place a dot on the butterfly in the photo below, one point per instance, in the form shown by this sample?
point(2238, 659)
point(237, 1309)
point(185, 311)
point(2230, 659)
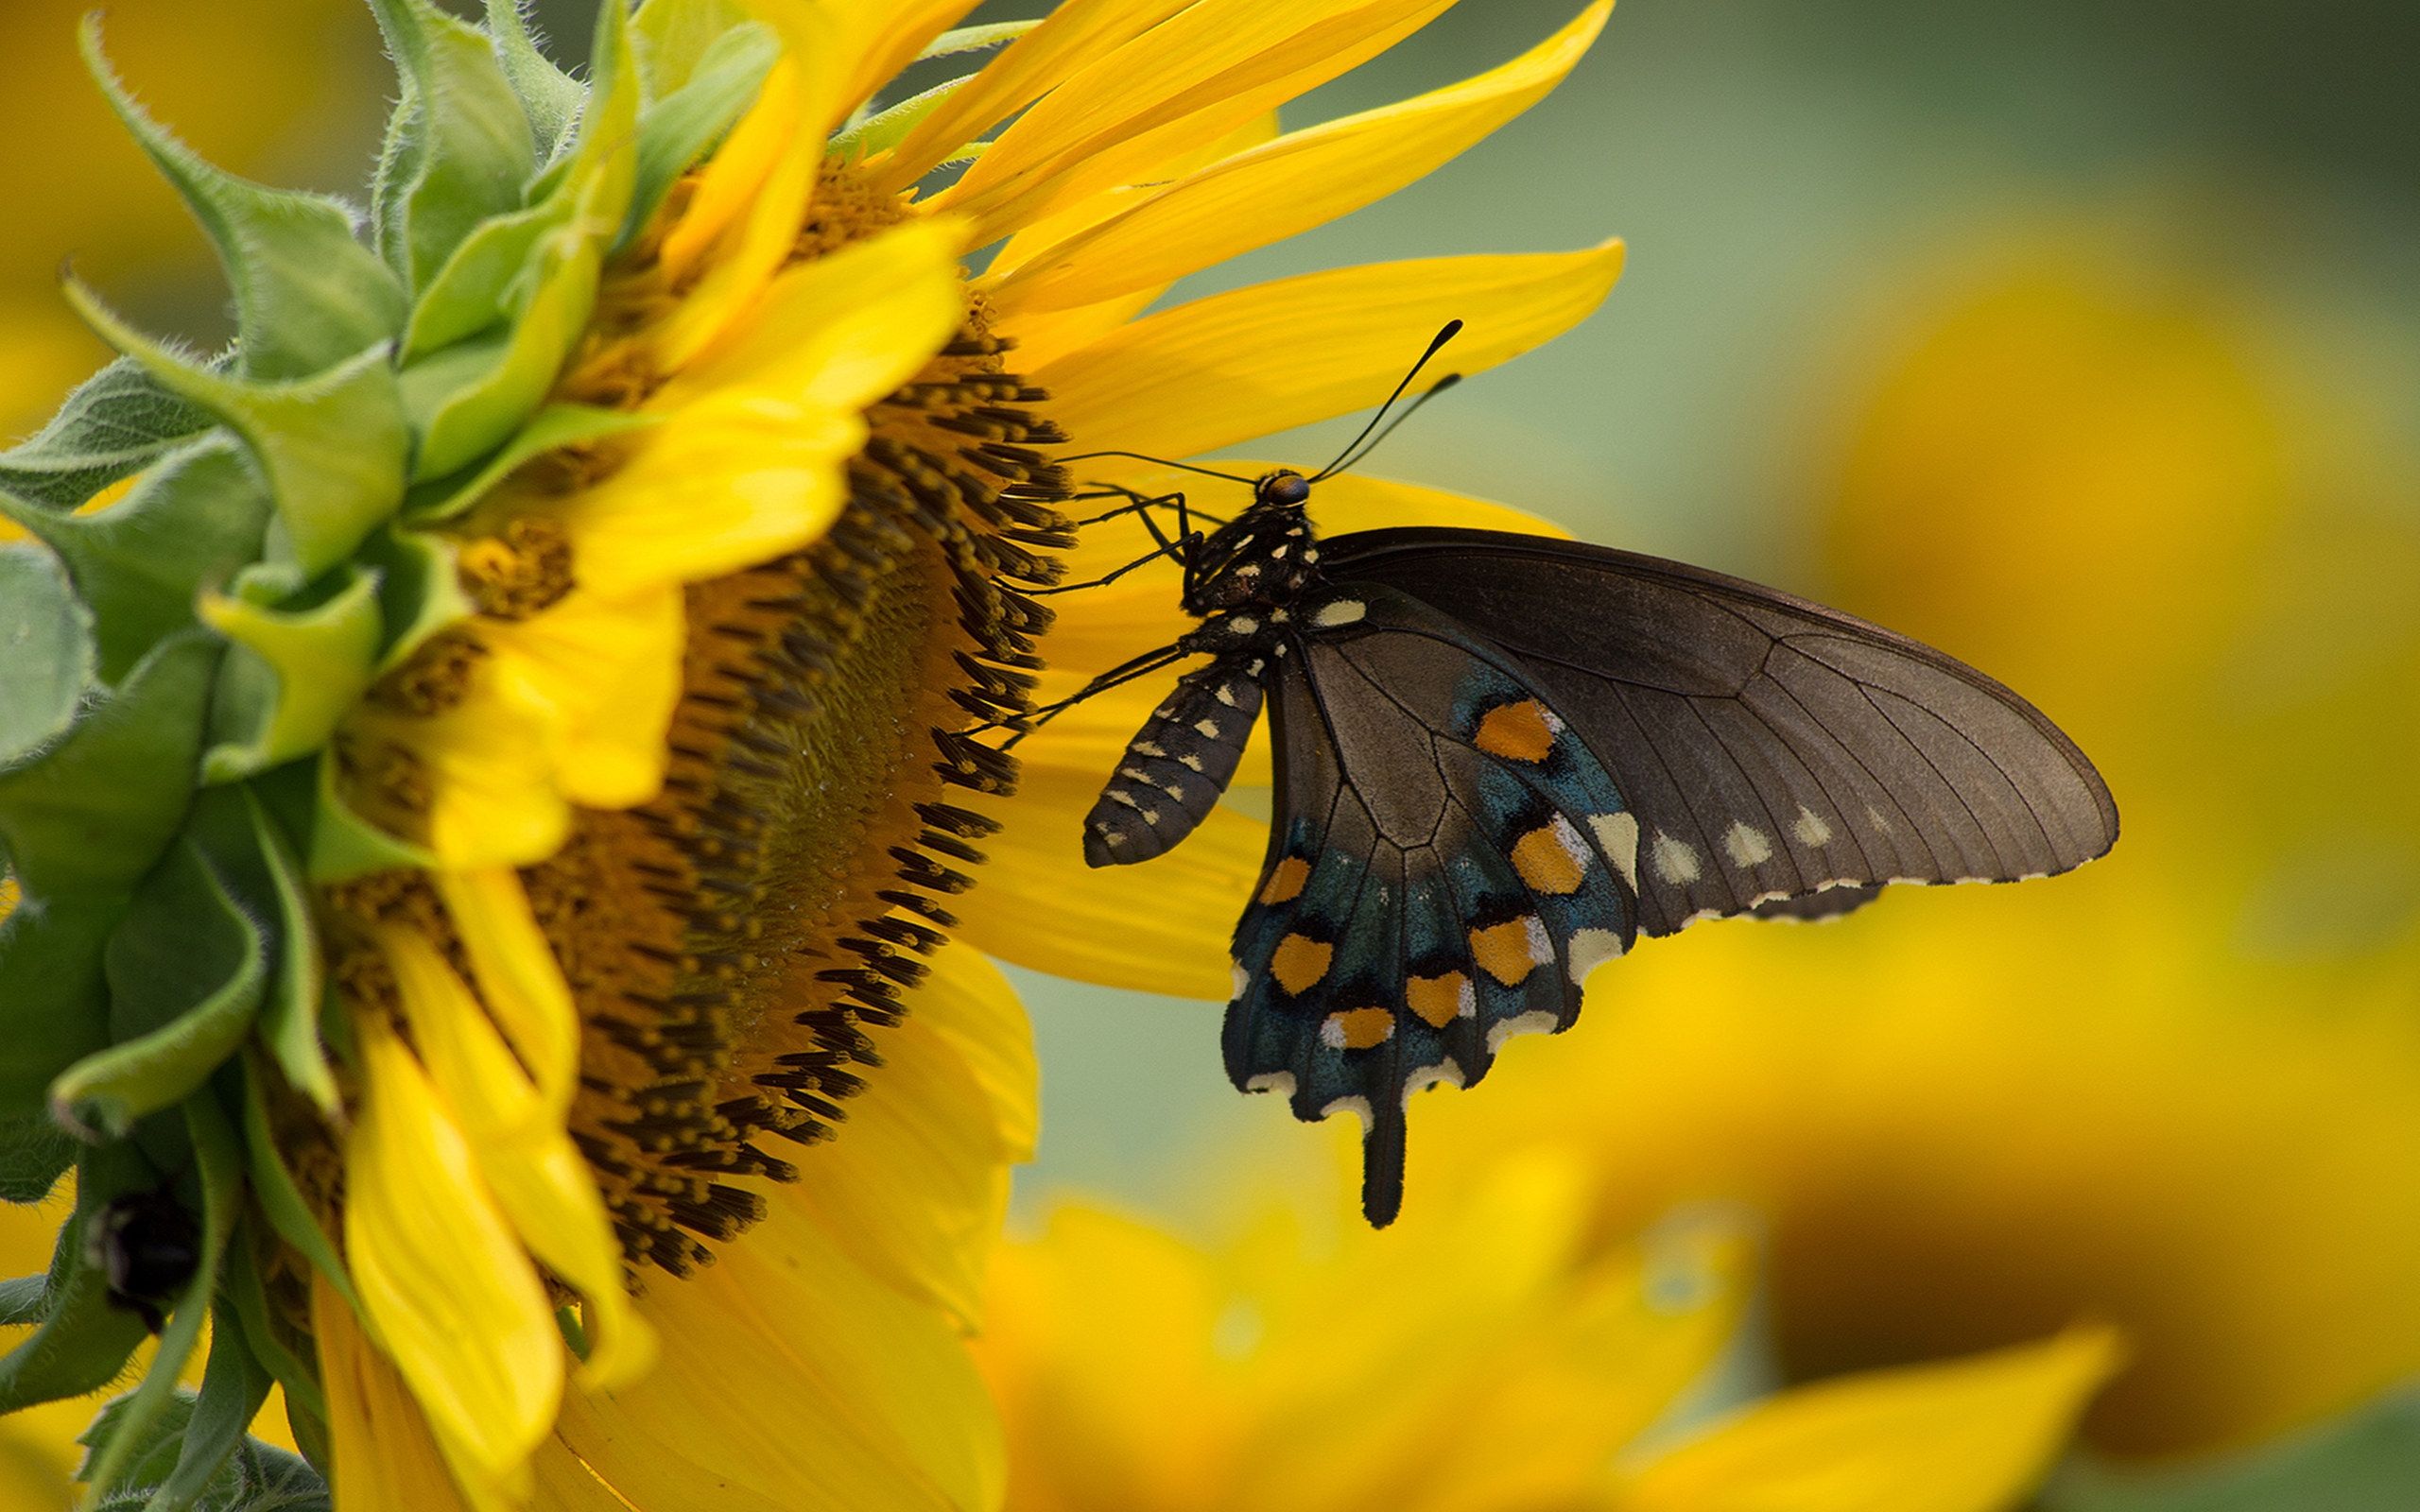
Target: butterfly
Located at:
point(1500, 759)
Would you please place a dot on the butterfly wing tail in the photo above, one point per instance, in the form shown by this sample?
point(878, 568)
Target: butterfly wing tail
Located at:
point(1382, 1153)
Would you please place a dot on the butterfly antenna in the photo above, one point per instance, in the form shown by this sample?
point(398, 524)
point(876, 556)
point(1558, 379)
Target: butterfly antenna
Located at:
point(1409, 411)
point(1452, 329)
point(1212, 473)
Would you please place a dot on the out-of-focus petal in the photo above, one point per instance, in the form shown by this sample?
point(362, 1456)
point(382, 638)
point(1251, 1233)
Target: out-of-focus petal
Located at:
point(1972, 1436)
point(537, 1179)
point(519, 978)
point(440, 1274)
point(375, 1430)
point(1225, 368)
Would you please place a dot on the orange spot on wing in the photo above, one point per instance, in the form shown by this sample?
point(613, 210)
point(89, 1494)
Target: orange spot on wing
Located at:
point(1545, 863)
point(1299, 962)
point(1504, 951)
point(1358, 1028)
point(1521, 732)
point(1285, 881)
point(1437, 999)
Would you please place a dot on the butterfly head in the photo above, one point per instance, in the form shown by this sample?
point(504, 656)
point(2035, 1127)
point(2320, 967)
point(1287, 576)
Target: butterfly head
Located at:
point(1267, 554)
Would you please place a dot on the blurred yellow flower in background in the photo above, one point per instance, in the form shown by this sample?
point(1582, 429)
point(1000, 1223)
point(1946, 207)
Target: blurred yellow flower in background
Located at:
point(1482, 1355)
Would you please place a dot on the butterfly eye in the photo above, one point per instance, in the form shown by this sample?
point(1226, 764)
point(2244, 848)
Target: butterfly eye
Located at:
point(1289, 489)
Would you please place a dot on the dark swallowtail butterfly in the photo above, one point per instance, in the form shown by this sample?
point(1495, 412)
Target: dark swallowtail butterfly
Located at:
point(1500, 759)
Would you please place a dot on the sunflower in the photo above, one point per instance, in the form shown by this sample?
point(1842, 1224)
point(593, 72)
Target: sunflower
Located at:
point(495, 763)
point(1487, 1352)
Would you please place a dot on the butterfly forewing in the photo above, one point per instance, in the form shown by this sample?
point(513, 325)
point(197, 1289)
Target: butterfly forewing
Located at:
point(1447, 865)
point(1771, 748)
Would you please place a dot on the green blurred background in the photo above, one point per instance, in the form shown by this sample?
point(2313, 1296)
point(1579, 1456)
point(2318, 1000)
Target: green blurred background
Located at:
point(2080, 339)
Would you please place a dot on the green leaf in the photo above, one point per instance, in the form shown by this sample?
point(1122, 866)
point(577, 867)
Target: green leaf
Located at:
point(241, 1286)
point(25, 1300)
point(281, 1201)
point(290, 1020)
point(975, 38)
point(46, 653)
point(674, 38)
point(34, 1152)
point(80, 825)
point(332, 447)
point(469, 399)
point(84, 1341)
point(680, 126)
point(887, 131)
point(289, 674)
point(186, 968)
point(307, 295)
point(458, 145)
point(2368, 1460)
point(196, 517)
point(114, 424)
point(550, 97)
point(419, 590)
point(152, 1457)
point(553, 426)
point(222, 1194)
point(233, 1385)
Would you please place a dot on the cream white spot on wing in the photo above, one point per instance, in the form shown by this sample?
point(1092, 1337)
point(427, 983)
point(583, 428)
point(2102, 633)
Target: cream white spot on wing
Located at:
point(1541, 943)
point(1207, 729)
point(1747, 845)
point(1874, 817)
point(1810, 828)
point(1590, 949)
point(1427, 1077)
point(1280, 1082)
point(1357, 1106)
point(1573, 845)
point(1618, 835)
point(1343, 611)
point(1242, 980)
point(1540, 1021)
point(1676, 861)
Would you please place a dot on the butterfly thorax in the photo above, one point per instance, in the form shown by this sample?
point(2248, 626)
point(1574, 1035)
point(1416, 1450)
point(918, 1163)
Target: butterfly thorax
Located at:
point(1265, 556)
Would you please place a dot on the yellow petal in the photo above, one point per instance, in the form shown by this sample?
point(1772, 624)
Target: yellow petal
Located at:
point(537, 1177)
point(915, 1187)
point(972, 1007)
point(750, 220)
point(1193, 78)
point(391, 1461)
point(1290, 185)
point(1072, 37)
point(885, 38)
point(1235, 366)
point(748, 463)
point(1971, 1435)
point(491, 766)
point(519, 978)
point(440, 1273)
point(1040, 906)
point(565, 1485)
point(601, 675)
point(798, 1378)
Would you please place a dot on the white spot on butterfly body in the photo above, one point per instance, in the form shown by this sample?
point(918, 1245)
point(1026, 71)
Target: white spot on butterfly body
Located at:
point(1144, 748)
point(1119, 795)
point(1244, 625)
point(1590, 949)
point(1747, 845)
point(1810, 828)
point(1539, 1021)
point(1343, 611)
point(1357, 1106)
point(1227, 694)
point(1207, 729)
point(1280, 1082)
point(1618, 835)
point(1424, 1077)
point(1134, 773)
point(1676, 861)
point(1193, 763)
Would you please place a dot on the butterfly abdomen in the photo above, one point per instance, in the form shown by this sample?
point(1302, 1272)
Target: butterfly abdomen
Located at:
point(1176, 767)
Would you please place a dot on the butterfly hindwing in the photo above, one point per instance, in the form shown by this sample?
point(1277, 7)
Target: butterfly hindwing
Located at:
point(1780, 757)
point(1447, 865)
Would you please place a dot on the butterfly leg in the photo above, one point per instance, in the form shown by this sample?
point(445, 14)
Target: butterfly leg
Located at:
point(1148, 663)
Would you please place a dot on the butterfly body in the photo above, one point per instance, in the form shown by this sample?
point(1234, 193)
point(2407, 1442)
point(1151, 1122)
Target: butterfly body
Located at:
point(1499, 760)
